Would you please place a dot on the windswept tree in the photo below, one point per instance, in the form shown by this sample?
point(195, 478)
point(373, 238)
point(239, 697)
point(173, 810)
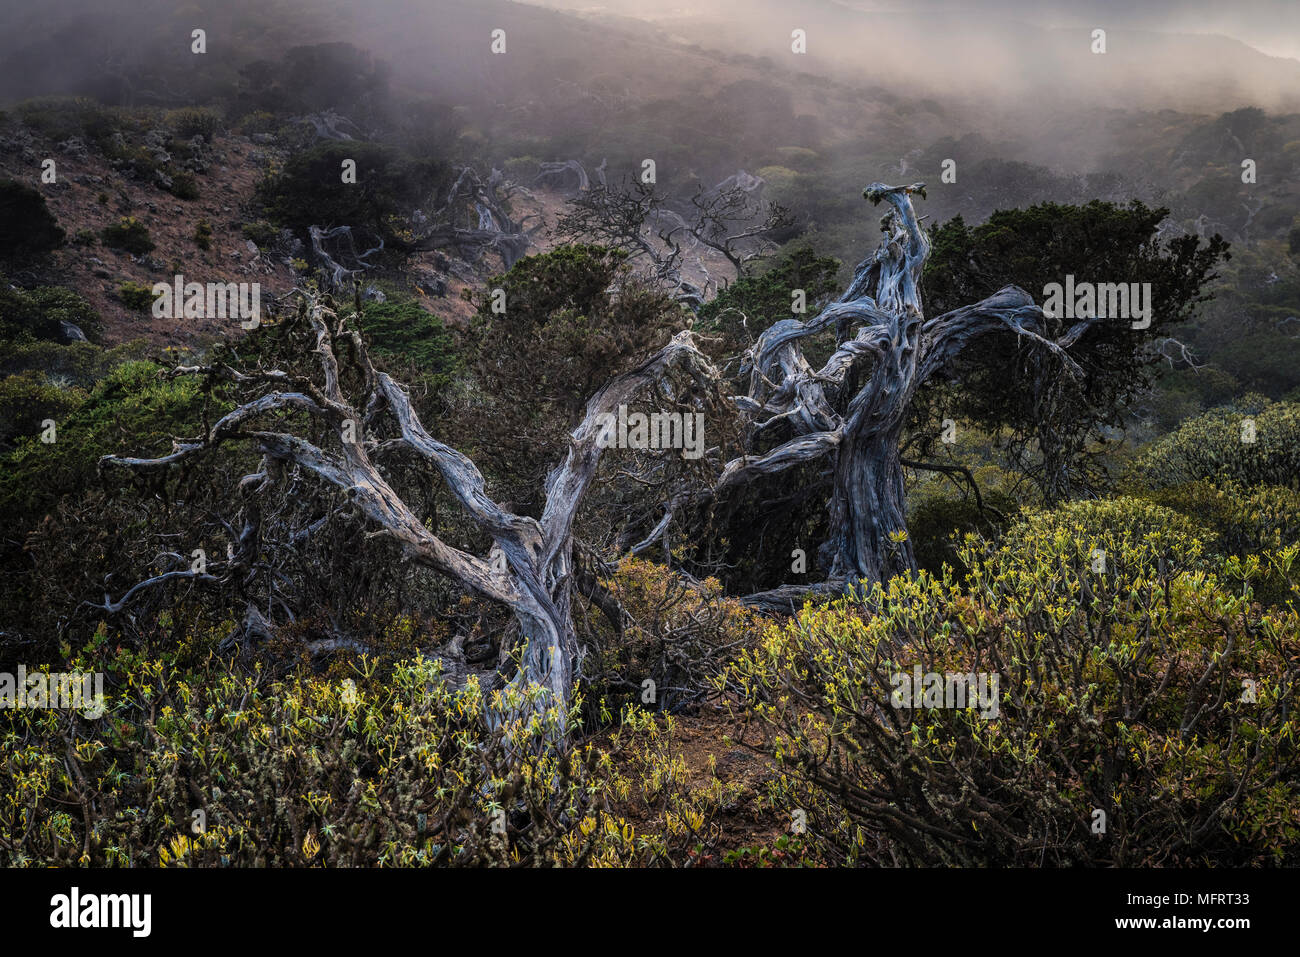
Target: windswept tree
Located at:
point(846, 422)
point(1052, 424)
point(731, 218)
point(349, 427)
point(351, 431)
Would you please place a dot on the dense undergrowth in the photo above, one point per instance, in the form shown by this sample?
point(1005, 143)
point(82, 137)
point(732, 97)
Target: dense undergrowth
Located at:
point(1155, 688)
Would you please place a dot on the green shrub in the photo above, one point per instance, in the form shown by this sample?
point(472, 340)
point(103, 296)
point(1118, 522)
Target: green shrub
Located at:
point(1214, 446)
point(293, 774)
point(937, 523)
point(130, 410)
point(310, 189)
point(27, 227)
point(203, 234)
point(259, 121)
point(261, 232)
point(61, 118)
point(403, 329)
point(749, 305)
point(1134, 536)
point(135, 296)
point(76, 363)
point(27, 400)
point(193, 121)
point(37, 313)
point(1155, 691)
point(184, 186)
point(1241, 521)
point(130, 235)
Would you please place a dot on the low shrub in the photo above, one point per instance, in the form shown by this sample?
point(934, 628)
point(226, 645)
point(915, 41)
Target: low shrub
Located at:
point(1252, 440)
point(1143, 713)
point(136, 296)
point(27, 227)
point(209, 767)
point(129, 235)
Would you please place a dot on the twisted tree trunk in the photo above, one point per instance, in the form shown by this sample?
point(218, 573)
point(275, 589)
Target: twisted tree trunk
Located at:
point(853, 409)
point(530, 567)
point(868, 511)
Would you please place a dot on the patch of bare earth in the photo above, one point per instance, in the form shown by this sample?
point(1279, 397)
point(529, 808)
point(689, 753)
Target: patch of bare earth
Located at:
point(97, 272)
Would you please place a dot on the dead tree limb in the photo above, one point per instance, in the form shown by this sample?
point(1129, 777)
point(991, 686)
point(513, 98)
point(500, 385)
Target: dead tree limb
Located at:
point(534, 577)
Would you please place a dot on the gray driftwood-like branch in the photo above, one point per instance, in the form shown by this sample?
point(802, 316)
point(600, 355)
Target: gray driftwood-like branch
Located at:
point(493, 229)
point(569, 173)
point(852, 410)
point(534, 577)
point(338, 275)
point(471, 220)
point(729, 218)
point(330, 126)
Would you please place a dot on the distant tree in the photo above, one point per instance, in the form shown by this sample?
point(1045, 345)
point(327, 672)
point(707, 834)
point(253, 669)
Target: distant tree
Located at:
point(27, 227)
point(310, 189)
point(730, 218)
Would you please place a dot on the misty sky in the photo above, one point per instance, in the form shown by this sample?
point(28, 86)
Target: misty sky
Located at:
point(1271, 26)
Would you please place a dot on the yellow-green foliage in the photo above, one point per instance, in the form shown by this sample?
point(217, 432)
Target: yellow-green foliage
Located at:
point(1240, 520)
point(1214, 446)
point(317, 772)
point(407, 771)
point(678, 634)
point(1125, 691)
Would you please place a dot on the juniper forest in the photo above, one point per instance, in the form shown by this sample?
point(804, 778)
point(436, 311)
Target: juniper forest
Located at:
point(813, 433)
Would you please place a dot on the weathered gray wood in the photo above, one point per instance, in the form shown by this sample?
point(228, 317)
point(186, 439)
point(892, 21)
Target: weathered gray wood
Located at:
point(887, 350)
point(891, 350)
point(537, 581)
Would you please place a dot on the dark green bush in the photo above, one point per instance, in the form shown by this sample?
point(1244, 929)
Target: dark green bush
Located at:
point(130, 235)
point(402, 329)
point(27, 400)
point(261, 232)
point(135, 296)
point(131, 405)
point(184, 186)
point(37, 313)
point(27, 227)
point(310, 190)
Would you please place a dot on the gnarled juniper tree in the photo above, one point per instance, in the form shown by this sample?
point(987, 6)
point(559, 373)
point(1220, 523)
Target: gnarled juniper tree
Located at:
point(851, 411)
